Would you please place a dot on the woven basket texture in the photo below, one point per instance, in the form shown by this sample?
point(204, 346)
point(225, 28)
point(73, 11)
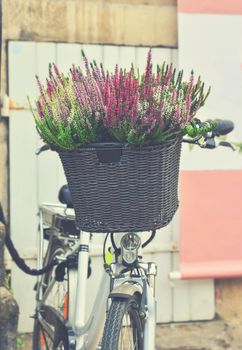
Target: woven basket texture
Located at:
point(138, 193)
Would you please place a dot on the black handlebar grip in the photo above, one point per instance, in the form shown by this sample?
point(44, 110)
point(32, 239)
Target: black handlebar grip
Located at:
point(223, 127)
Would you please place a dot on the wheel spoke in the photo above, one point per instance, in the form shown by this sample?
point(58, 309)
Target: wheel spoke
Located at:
point(43, 339)
point(57, 299)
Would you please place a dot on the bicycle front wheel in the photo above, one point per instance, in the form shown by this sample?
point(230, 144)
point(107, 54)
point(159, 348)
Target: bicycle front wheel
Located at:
point(124, 327)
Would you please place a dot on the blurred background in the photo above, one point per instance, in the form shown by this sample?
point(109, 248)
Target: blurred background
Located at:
point(201, 35)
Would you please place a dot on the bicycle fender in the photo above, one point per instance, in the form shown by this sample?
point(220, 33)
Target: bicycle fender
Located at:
point(126, 290)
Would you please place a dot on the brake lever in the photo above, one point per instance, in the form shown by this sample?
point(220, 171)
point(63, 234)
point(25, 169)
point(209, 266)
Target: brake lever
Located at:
point(210, 143)
point(227, 144)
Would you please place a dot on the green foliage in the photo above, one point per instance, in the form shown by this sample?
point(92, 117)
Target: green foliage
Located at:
point(193, 129)
point(238, 145)
point(77, 132)
point(20, 342)
point(7, 282)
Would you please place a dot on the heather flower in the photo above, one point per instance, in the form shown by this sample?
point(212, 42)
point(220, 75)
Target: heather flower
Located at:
point(91, 105)
point(68, 109)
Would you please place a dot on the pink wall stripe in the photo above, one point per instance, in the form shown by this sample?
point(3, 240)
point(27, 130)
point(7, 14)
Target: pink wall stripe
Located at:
point(211, 224)
point(222, 7)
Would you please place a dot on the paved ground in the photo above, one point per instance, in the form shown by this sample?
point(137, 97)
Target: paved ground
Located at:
point(214, 335)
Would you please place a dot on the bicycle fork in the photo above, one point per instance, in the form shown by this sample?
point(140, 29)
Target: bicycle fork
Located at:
point(86, 334)
point(127, 289)
point(145, 287)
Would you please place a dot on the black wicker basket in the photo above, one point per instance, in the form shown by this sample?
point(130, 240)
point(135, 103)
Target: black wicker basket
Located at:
point(118, 189)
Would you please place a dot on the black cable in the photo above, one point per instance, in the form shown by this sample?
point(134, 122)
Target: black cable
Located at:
point(117, 251)
point(21, 263)
point(15, 255)
point(104, 245)
point(113, 242)
point(2, 218)
point(152, 236)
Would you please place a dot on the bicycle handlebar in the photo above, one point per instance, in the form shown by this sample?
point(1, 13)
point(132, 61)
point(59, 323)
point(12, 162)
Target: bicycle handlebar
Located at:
point(218, 128)
point(223, 127)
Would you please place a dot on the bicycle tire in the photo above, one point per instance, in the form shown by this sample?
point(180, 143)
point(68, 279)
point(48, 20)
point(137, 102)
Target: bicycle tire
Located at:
point(41, 340)
point(116, 322)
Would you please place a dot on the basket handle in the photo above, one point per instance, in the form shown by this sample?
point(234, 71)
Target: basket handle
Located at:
point(109, 152)
point(105, 145)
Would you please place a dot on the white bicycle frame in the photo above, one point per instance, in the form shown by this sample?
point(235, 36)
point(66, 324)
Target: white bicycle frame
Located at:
point(87, 334)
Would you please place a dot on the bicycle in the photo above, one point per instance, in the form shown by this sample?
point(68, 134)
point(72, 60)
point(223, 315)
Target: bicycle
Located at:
point(127, 288)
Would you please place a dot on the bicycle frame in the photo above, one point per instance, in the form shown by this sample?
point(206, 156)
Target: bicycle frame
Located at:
point(87, 334)
point(95, 323)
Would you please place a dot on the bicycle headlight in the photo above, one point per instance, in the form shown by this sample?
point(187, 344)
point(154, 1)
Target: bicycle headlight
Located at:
point(130, 244)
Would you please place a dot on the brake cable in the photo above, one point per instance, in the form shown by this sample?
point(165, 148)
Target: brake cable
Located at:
point(16, 257)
